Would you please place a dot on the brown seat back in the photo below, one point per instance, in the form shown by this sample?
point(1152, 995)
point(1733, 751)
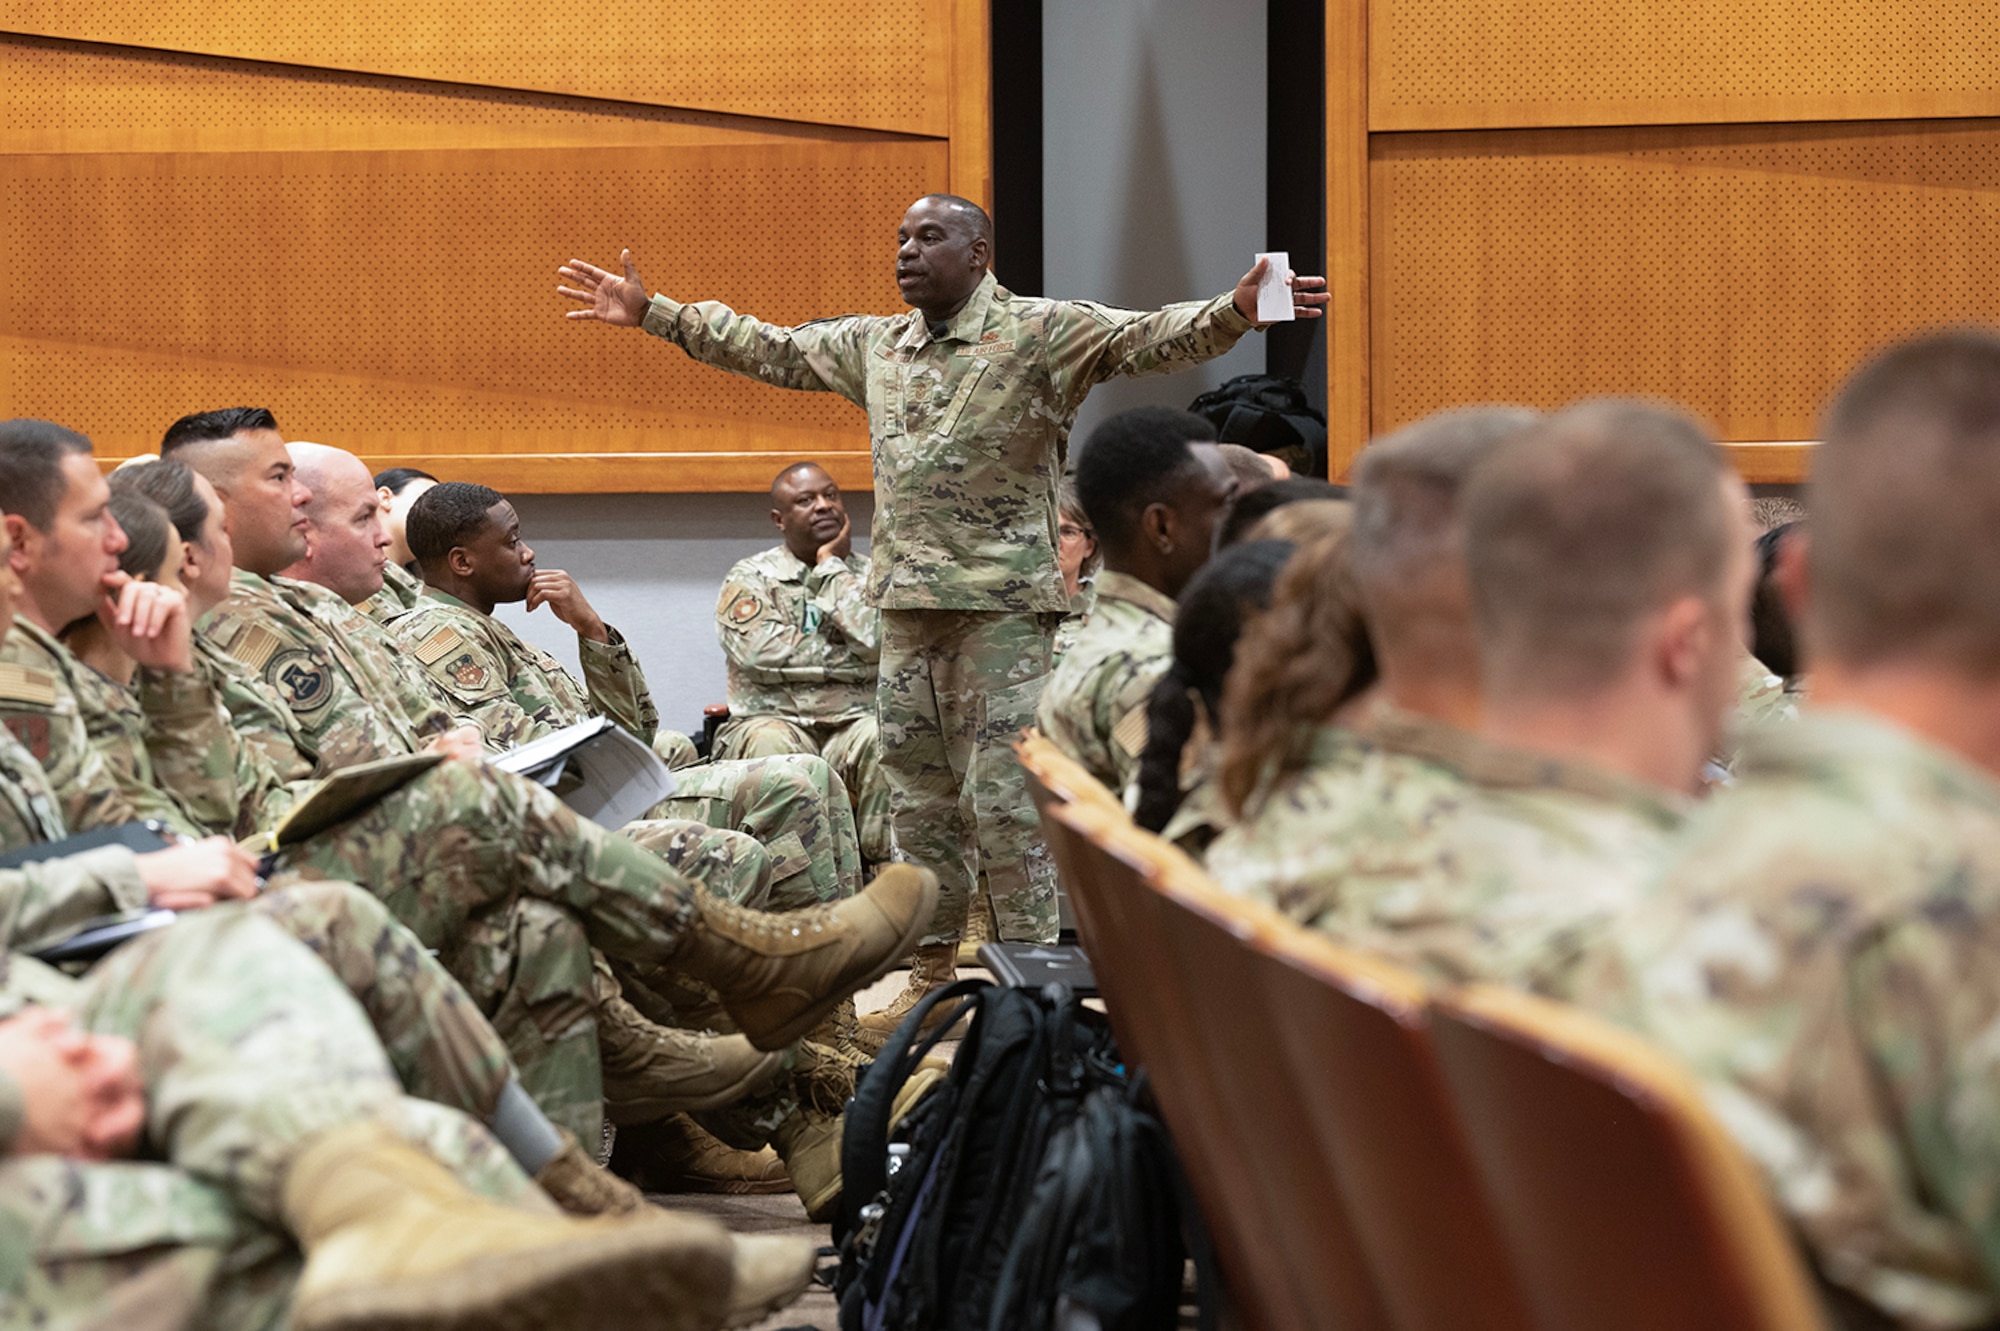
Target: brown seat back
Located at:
point(1356, 1042)
point(1176, 986)
point(1620, 1198)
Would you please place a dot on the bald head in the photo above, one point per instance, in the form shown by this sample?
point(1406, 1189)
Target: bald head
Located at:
point(1582, 528)
point(347, 541)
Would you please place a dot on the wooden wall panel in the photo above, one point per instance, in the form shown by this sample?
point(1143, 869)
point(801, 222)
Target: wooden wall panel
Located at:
point(374, 257)
point(1452, 64)
point(843, 62)
point(1739, 270)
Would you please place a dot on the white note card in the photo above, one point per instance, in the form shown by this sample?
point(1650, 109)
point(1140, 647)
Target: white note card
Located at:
point(1274, 298)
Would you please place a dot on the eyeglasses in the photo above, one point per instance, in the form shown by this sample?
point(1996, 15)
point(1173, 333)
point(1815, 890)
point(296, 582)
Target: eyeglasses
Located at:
point(1068, 532)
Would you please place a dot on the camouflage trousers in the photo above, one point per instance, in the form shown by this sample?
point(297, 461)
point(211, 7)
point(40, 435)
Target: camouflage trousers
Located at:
point(249, 1049)
point(796, 807)
point(957, 688)
point(852, 748)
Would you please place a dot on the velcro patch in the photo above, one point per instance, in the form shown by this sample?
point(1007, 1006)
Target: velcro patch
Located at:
point(35, 735)
point(301, 679)
point(743, 610)
point(466, 672)
point(986, 349)
point(255, 646)
point(439, 645)
point(1130, 732)
point(19, 683)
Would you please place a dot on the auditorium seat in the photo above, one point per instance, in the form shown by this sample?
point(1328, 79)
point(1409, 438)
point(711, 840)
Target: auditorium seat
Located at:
point(1176, 1002)
point(1620, 1198)
point(1354, 1038)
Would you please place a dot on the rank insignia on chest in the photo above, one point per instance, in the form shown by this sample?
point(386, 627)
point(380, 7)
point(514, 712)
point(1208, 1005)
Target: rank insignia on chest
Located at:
point(467, 673)
point(35, 735)
point(300, 679)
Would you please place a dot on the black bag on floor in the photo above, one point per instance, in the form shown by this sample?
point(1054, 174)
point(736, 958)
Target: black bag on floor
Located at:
point(1029, 1189)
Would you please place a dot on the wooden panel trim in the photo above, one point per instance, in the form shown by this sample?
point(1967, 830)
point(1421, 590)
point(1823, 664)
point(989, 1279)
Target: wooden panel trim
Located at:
point(1347, 233)
point(615, 473)
point(971, 102)
point(1772, 462)
point(1587, 113)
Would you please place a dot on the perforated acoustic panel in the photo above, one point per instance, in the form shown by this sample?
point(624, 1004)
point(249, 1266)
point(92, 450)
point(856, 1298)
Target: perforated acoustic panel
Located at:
point(1738, 270)
point(375, 258)
point(845, 62)
point(1447, 64)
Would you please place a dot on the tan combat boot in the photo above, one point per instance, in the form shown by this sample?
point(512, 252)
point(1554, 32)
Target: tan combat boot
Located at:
point(395, 1242)
point(933, 966)
point(772, 1270)
point(780, 975)
point(809, 1142)
point(679, 1155)
point(581, 1186)
point(651, 1071)
point(978, 929)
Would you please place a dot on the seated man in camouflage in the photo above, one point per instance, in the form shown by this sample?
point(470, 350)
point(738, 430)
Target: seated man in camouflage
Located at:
point(447, 850)
point(1154, 486)
point(1608, 559)
point(802, 644)
point(787, 804)
point(291, 1180)
point(1819, 945)
point(396, 489)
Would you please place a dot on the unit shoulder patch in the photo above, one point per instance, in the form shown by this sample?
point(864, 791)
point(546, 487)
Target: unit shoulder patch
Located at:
point(301, 679)
point(465, 672)
point(742, 608)
point(24, 684)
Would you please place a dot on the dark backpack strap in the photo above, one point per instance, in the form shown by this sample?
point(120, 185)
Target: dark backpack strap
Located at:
point(864, 1145)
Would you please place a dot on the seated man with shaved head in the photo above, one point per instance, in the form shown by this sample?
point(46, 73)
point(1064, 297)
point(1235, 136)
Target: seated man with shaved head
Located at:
point(803, 643)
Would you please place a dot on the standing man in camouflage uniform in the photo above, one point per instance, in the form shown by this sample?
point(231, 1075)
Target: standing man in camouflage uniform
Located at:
point(970, 399)
point(1155, 487)
point(1821, 945)
point(803, 645)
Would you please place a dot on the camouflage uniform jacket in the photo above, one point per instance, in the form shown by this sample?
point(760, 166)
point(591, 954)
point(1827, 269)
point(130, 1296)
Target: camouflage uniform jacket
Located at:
point(47, 898)
point(343, 685)
point(515, 692)
point(1073, 623)
point(969, 424)
point(90, 735)
point(1819, 947)
point(802, 643)
point(1369, 796)
point(401, 589)
point(1761, 697)
point(1094, 705)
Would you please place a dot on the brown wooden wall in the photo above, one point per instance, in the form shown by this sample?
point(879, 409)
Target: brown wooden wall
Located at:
point(353, 212)
point(1725, 205)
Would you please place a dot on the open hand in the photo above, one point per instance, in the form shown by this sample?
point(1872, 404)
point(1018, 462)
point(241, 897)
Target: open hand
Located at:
point(195, 874)
point(148, 622)
point(607, 297)
point(1308, 293)
point(82, 1095)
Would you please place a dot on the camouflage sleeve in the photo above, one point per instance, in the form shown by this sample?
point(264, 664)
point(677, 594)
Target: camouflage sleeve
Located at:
point(1925, 1003)
point(842, 597)
point(88, 790)
point(473, 678)
point(12, 1112)
point(1089, 343)
point(46, 898)
point(191, 747)
point(825, 356)
point(617, 685)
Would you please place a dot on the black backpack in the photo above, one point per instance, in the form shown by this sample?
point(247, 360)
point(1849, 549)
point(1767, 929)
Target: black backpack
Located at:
point(1268, 413)
point(1029, 1186)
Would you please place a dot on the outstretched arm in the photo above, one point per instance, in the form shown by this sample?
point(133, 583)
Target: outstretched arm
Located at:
point(1308, 293)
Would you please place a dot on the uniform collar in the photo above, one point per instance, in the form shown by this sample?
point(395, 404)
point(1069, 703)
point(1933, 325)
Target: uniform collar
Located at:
point(1113, 586)
point(965, 326)
point(1827, 743)
point(432, 593)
